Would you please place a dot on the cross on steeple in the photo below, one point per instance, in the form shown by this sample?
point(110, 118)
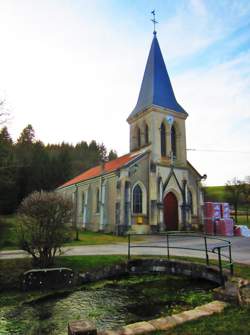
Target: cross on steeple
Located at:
point(154, 21)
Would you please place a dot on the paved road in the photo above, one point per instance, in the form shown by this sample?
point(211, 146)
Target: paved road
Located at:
point(240, 248)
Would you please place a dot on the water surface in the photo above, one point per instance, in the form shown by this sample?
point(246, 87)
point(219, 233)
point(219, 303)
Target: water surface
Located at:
point(109, 304)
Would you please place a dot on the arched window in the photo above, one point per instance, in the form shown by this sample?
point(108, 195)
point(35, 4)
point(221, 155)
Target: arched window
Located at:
point(137, 199)
point(97, 201)
point(160, 190)
point(173, 142)
point(163, 140)
point(190, 201)
point(146, 134)
point(138, 137)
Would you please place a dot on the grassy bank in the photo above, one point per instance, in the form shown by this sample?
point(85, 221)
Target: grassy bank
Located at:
point(215, 193)
point(233, 321)
point(11, 269)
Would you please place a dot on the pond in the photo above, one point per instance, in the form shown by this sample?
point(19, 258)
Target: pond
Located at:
point(109, 304)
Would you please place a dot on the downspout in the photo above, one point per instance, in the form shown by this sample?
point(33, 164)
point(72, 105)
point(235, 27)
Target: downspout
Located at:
point(76, 208)
point(184, 204)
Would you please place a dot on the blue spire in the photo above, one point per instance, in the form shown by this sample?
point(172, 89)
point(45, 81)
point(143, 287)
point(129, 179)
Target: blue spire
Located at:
point(156, 88)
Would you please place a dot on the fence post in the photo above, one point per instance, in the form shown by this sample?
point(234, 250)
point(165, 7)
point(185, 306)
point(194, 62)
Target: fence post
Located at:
point(207, 257)
point(230, 259)
point(220, 266)
point(168, 245)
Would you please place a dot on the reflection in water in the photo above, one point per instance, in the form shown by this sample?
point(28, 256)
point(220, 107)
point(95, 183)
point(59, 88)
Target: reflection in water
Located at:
point(109, 305)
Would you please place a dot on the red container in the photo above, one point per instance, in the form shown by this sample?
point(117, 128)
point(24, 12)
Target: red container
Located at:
point(208, 209)
point(218, 213)
point(209, 226)
point(226, 210)
point(213, 210)
point(237, 231)
point(224, 227)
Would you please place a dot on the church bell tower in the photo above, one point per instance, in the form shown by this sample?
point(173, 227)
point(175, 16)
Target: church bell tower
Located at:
point(158, 120)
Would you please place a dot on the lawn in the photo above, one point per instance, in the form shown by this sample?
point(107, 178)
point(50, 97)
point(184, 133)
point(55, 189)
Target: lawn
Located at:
point(92, 238)
point(8, 236)
point(8, 232)
point(242, 220)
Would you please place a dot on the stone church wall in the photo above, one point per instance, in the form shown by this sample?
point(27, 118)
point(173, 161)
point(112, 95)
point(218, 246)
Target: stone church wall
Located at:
point(142, 176)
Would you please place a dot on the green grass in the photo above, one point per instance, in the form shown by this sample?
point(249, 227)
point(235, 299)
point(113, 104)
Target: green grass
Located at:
point(93, 238)
point(12, 269)
point(9, 240)
point(242, 220)
point(8, 232)
point(233, 321)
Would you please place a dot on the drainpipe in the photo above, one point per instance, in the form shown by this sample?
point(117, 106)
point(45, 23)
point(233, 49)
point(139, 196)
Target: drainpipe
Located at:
point(198, 190)
point(184, 204)
point(76, 208)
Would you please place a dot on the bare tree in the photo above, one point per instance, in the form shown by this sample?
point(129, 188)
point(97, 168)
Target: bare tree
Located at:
point(44, 218)
point(234, 190)
point(4, 114)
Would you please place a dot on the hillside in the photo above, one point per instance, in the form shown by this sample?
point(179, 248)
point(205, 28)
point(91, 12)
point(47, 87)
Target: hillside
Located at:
point(214, 193)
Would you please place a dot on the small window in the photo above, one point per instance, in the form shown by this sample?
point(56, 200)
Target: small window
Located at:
point(97, 201)
point(173, 142)
point(190, 201)
point(163, 140)
point(146, 134)
point(137, 199)
point(138, 137)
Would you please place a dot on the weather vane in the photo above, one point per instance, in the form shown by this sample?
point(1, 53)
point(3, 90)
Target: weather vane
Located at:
point(153, 20)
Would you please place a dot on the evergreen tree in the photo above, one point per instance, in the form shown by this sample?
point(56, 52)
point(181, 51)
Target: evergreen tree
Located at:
point(29, 166)
point(7, 173)
point(24, 156)
point(27, 135)
point(112, 155)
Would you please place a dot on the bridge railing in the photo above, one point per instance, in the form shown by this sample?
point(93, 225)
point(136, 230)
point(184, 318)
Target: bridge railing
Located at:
point(167, 241)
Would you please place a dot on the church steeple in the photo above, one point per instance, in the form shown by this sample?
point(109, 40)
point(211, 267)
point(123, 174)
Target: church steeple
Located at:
point(156, 88)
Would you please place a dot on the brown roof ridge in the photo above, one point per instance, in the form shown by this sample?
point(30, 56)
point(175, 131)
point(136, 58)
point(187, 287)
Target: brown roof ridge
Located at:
point(108, 167)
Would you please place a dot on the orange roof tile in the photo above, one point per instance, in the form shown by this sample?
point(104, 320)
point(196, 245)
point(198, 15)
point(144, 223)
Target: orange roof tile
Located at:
point(108, 167)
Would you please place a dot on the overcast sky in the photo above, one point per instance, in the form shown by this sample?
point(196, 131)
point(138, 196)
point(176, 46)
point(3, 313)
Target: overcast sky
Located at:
point(73, 69)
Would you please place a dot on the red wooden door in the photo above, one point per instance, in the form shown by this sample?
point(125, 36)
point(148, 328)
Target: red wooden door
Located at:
point(171, 212)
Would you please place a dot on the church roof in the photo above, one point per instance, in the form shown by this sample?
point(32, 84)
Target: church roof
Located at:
point(107, 168)
point(156, 88)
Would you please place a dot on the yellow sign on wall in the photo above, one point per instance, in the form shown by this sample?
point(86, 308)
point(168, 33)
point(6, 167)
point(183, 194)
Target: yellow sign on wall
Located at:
point(139, 220)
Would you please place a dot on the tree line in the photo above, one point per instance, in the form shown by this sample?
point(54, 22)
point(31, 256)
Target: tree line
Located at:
point(29, 165)
point(236, 192)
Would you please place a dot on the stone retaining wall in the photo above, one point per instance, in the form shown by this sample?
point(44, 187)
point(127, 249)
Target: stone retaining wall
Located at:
point(144, 266)
point(174, 267)
point(81, 327)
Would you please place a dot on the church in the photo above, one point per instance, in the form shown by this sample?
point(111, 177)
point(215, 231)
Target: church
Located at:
point(153, 188)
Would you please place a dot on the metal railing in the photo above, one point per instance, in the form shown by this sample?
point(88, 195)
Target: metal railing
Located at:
point(222, 248)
